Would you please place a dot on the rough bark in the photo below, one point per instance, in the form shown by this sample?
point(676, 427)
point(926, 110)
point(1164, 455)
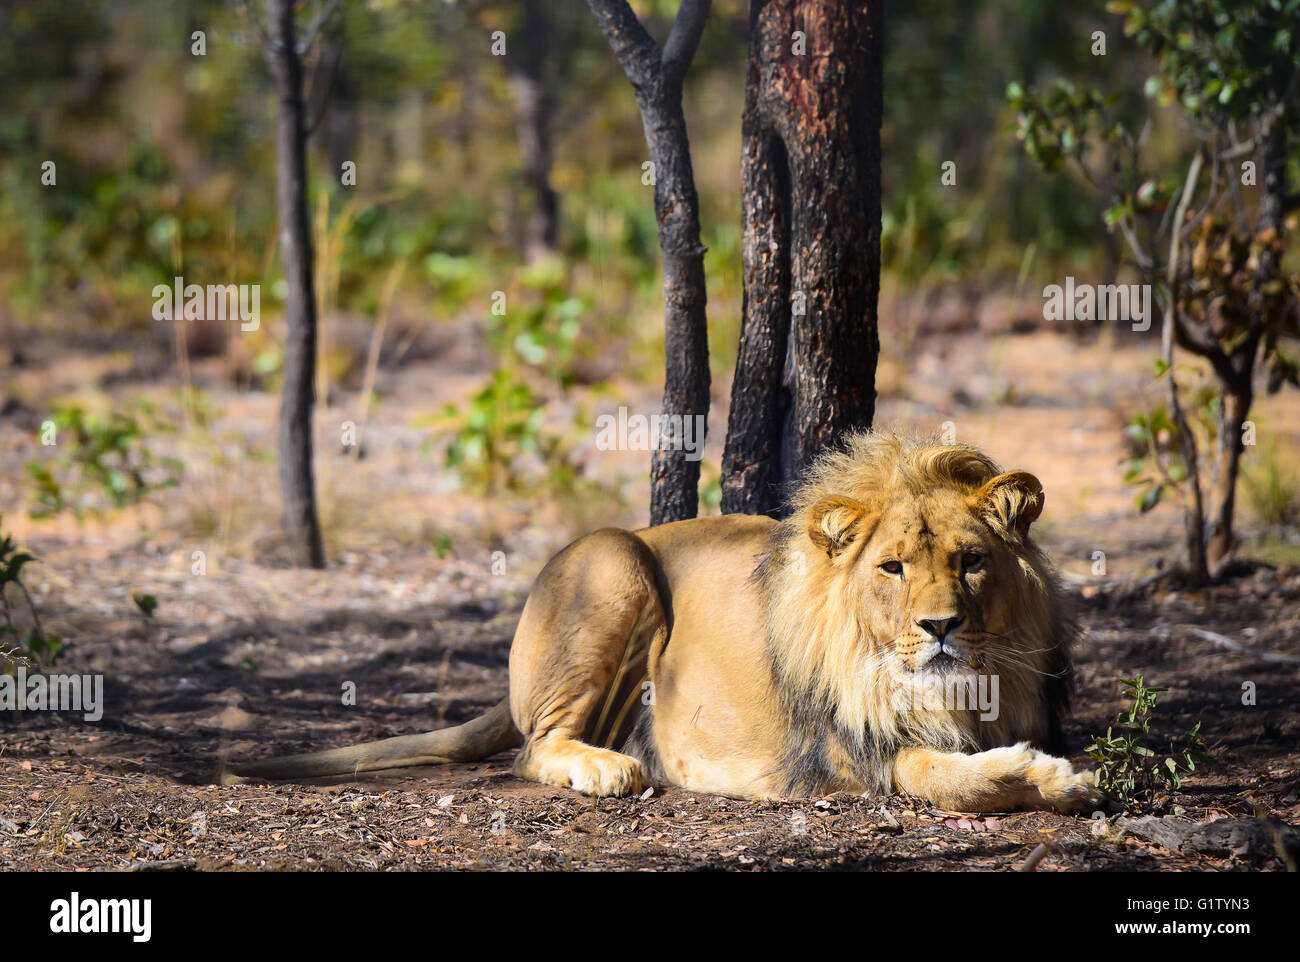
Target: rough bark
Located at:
point(533, 112)
point(656, 74)
point(811, 221)
point(297, 487)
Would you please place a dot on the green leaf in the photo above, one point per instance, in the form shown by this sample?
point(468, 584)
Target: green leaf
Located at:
point(1150, 499)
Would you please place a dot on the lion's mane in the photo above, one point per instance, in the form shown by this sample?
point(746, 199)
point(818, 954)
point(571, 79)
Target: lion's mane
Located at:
point(845, 726)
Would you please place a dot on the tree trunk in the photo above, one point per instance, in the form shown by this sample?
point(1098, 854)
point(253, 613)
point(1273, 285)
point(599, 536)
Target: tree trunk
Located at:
point(297, 489)
point(1198, 571)
point(1273, 202)
point(1235, 400)
point(752, 461)
point(811, 219)
point(656, 75)
point(533, 111)
point(674, 477)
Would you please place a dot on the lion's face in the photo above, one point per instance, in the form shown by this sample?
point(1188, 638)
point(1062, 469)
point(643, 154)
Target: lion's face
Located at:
point(935, 577)
point(907, 570)
point(940, 589)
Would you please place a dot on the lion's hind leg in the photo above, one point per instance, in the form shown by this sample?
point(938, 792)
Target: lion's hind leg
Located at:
point(579, 663)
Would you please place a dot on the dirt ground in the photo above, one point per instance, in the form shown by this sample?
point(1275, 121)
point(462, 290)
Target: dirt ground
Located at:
point(419, 603)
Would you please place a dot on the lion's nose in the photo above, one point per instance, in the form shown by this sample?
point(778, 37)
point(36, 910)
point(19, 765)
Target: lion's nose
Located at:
point(939, 628)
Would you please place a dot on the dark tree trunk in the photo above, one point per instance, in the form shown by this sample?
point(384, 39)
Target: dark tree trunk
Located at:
point(533, 112)
point(811, 219)
point(1273, 202)
point(1235, 401)
point(297, 489)
point(656, 74)
point(752, 479)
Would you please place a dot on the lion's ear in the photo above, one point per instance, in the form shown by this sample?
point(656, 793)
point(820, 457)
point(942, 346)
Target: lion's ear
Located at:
point(1011, 501)
point(835, 522)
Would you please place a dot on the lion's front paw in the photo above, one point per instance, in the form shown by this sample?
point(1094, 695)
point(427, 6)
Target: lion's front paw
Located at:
point(1063, 788)
point(602, 772)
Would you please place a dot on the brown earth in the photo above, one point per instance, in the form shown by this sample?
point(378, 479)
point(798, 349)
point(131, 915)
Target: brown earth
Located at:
point(419, 603)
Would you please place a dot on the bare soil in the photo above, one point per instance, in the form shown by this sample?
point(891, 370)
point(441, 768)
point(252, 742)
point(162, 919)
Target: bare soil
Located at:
point(419, 603)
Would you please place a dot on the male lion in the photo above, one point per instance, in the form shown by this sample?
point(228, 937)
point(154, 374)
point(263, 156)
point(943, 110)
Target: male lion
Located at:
point(828, 652)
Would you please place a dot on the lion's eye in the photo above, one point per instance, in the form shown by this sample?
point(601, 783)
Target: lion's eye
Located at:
point(892, 567)
point(970, 561)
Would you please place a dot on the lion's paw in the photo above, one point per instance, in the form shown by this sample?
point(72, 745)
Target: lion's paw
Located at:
point(603, 772)
point(1063, 788)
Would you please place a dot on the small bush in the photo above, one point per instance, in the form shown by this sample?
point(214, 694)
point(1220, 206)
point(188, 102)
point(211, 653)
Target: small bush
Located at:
point(104, 463)
point(1127, 769)
point(32, 648)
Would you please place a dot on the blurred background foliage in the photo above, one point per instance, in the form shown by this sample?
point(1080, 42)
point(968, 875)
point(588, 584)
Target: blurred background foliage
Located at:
point(164, 159)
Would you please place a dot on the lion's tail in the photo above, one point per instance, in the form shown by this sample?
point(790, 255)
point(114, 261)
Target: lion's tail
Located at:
point(491, 732)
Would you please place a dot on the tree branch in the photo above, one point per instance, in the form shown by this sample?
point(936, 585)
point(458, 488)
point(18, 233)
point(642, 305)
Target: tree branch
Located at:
point(1176, 238)
point(1187, 335)
point(684, 38)
point(314, 28)
point(634, 48)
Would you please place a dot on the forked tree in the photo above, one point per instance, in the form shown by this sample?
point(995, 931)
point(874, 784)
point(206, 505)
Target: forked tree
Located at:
point(810, 173)
point(657, 74)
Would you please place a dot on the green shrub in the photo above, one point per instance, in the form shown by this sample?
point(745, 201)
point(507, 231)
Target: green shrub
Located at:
point(1127, 769)
point(32, 648)
point(104, 462)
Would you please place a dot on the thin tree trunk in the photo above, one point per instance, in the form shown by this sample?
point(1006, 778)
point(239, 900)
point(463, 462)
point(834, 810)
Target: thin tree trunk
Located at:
point(1193, 498)
point(297, 488)
point(1236, 401)
point(656, 74)
point(533, 112)
point(1198, 572)
point(805, 374)
point(1170, 326)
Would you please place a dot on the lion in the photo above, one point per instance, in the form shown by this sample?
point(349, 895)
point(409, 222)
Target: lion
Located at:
point(831, 651)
